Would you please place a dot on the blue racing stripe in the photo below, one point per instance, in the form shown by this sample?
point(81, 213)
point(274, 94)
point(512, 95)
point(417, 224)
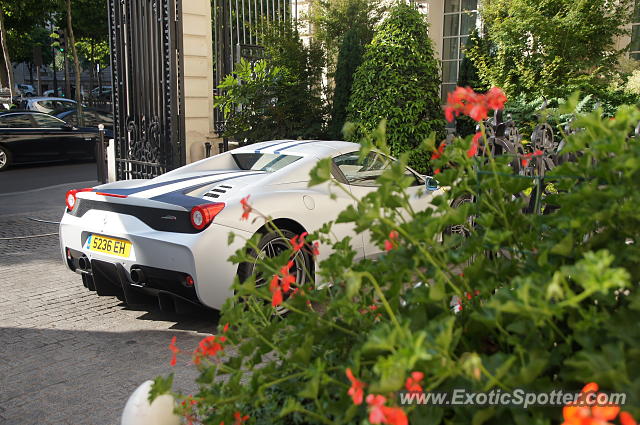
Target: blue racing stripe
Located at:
point(272, 145)
point(279, 151)
point(179, 198)
point(152, 186)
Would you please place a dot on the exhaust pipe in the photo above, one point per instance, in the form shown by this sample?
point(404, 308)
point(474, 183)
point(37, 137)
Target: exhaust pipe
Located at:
point(84, 264)
point(137, 276)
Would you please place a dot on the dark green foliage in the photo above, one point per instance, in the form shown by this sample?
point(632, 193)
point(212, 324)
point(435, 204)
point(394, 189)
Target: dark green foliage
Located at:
point(548, 48)
point(283, 99)
point(399, 80)
point(550, 302)
point(349, 59)
point(468, 75)
point(332, 19)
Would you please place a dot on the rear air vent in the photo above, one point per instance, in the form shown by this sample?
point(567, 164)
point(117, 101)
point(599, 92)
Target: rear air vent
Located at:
point(218, 191)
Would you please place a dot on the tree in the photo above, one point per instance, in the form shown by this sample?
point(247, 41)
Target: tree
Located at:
point(280, 96)
point(349, 59)
point(20, 16)
point(21, 46)
point(548, 48)
point(92, 32)
point(399, 80)
point(332, 19)
point(76, 61)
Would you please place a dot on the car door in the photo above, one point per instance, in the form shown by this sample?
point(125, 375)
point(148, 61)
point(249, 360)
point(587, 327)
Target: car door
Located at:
point(361, 177)
point(27, 142)
point(76, 143)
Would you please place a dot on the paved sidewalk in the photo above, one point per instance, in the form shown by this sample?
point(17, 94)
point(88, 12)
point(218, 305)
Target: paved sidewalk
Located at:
point(68, 356)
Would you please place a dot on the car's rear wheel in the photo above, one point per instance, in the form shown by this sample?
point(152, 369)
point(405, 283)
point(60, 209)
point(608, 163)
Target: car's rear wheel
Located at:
point(5, 158)
point(271, 245)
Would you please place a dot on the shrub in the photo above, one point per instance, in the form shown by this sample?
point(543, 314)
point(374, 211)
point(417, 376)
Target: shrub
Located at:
point(545, 48)
point(399, 80)
point(545, 302)
point(349, 59)
point(282, 97)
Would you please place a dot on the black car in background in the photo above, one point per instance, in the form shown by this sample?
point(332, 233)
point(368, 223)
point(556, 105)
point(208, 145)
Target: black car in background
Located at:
point(92, 118)
point(29, 137)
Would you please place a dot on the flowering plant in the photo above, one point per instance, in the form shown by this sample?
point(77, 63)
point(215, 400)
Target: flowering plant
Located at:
point(544, 301)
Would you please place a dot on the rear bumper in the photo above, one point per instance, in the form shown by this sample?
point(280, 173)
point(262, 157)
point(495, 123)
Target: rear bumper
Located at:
point(166, 259)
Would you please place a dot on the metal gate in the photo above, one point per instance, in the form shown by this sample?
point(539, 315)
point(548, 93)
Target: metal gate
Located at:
point(238, 26)
point(148, 96)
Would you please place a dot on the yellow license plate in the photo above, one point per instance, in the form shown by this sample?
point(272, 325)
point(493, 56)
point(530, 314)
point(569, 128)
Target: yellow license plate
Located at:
point(111, 246)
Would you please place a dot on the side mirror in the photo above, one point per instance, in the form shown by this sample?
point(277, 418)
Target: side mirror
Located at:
point(431, 184)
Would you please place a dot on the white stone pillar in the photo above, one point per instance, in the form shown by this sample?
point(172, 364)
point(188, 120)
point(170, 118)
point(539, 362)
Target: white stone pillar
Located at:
point(198, 76)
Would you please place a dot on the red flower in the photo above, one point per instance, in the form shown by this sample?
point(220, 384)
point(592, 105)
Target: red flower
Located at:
point(496, 98)
point(580, 414)
point(298, 241)
point(356, 391)
point(239, 418)
point(246, 208)
point(381, 414)
point(226, 328)
point(464, 101)
point(175, 350)
point(475, 143)
point(436, 171)
point(478, 112)
point(278, 284)
point(391, 243)
point(316, 248)
point(538, 152)
point(413, 382)
point(208, 346)
point(276, 299)
point(437, 154)
point(525, 159)
point(627, 419)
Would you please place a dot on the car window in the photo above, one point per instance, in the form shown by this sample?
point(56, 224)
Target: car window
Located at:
point(16, 121)
point(104, 118)
point(47, 121)
point(72, 119)
point(46, 104)
point(365, 172)
point(263, 161)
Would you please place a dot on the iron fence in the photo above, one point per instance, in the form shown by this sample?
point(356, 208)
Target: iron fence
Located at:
point(238, 30)
point(148, 96)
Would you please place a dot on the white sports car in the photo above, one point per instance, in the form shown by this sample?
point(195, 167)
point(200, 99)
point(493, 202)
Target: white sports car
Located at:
point(167, 237)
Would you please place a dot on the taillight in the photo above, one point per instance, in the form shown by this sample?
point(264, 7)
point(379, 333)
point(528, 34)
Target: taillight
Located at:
point(70, 198)
point(203, 215)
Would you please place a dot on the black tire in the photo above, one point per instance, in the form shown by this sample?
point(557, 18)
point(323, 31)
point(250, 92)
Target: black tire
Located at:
point(5, 158)
point(272, 244)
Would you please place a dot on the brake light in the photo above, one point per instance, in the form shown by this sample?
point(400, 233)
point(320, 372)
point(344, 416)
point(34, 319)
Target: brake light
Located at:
point(70, 198)
point(203, 215)
point(115, 195)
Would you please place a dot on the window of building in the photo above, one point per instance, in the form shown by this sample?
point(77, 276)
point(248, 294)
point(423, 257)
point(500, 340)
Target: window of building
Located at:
point(460, 18)
point(634, 47)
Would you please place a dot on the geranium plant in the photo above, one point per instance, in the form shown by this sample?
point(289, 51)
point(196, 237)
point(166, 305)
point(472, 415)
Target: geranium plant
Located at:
point(544, 301)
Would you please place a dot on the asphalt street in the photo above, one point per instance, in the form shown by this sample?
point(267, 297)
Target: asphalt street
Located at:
point(68, 356)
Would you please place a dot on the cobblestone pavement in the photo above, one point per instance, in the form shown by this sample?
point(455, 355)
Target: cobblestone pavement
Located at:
point(68, 356)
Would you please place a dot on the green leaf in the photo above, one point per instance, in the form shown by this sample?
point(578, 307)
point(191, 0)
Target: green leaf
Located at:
point(160, 386)
point(564, 247)
point(321, 173)
point(436, 290)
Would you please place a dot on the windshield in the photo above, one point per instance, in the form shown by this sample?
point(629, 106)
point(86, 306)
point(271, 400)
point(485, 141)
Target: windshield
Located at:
point(268, 162)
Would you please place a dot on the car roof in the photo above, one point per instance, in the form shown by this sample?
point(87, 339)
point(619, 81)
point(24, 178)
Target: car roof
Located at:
point(21, 111)
point(36, 99)
point(319, 148)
